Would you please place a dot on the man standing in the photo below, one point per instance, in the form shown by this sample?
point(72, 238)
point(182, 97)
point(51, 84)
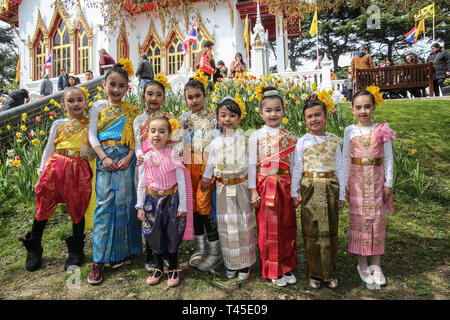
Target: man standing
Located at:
point(362, 60)
point(144, 71)
point(63, 80)
point(441, 61)
point(88, 75)
point(105, 60)
point(46, 86)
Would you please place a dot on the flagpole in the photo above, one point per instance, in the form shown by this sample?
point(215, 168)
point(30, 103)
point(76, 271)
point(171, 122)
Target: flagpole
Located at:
point(317, 40)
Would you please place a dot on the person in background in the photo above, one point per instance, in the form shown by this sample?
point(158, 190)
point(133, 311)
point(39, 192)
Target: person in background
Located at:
point(72, 82)
point(207, 49)
point(105, 60)
point(144, 71)
point(238, 65)
point(63, 80)
point(16, 98)
point(362, 60)
point(46, 86)
point(88, 75)
point(221, 71)
point(441, 62)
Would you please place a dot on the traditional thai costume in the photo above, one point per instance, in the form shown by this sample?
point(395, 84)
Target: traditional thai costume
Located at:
point(65, 177)
point(270, 153)
point(318, 165)
point(116, 232)
point(368, 167)
point(200, 129)
point(164, 189)
point(228, 161)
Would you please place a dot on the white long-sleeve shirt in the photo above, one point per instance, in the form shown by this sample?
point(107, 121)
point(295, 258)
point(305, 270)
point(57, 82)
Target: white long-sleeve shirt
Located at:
point(50, 146)
point(93, 122)
point(253, 151)
point(353, 131)
point(137, 124)
point(141, 190)
point(307, 141)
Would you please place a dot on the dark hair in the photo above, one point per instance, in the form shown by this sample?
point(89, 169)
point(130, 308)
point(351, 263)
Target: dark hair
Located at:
point(73, 88)
point(313, 101)
point(24, 93)
point(151, 83)
point(118, 68)
point(144, 56)
point(230, 105)
point(220, 62)
point(363, 92)
point(242, 59)
point(436, 45)
point(194, 84)
point(208, 43)
point(165, 119)
point(264, 90)
point(90, 71)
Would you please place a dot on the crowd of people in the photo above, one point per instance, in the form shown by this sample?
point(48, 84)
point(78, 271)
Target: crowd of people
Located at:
point(184, 163)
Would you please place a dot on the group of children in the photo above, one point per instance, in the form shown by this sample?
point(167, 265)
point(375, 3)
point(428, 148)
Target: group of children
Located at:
point(199, 179)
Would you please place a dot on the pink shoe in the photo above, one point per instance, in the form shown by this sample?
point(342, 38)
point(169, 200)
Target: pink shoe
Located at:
point(174, 278)
point(154, 277)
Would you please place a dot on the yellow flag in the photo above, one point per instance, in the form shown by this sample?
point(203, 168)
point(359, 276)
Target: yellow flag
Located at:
point(313, 29)
point(421, 27)
point(246, 34)
point(427, 12)
point(18, 71)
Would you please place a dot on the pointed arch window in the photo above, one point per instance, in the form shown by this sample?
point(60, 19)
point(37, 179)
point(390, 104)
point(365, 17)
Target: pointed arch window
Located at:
point(39, 57)
point(122, 46)
point(60, 49)
point(174, 55)
point(83, 62)
point(154, 56)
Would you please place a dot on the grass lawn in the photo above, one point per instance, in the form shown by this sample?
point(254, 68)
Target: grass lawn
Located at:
point(416, 262)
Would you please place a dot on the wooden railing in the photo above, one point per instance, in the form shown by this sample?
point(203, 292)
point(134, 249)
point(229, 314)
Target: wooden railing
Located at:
point(411, 76)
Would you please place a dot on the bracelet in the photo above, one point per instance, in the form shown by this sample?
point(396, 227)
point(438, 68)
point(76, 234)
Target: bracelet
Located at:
point(104, 158)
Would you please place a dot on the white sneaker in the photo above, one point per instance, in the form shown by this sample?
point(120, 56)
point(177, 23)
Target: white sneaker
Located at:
point(280, 282)
point(290, 278)
point(377, 275)
point(369, 279)
point(231, 274)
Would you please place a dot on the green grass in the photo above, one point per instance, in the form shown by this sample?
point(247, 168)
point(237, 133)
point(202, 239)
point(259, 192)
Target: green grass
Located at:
point(416, 262)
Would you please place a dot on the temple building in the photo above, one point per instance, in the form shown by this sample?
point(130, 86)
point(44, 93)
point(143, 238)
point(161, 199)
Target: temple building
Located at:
point(73, 35)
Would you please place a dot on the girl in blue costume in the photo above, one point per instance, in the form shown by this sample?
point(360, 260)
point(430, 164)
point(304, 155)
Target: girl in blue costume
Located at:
point(116, 231)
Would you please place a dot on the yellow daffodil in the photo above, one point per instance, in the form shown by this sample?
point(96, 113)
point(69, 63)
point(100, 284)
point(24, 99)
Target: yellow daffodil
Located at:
point(51, 117)
point(8, 127)
point(99, 96)
point(23, 128)
point(16, 163)
point(344, 99)
point(35, 142)
point(19, 135)
point(213, 107)
point(174, 125)
point(24, 117)
point(41, 133)
point(90, 104)
point(100, 89)
point(377, 94)
point(200, 77)
point(285, 120)
point(314, 86)
point(46, 109)
point(86, 92)
point(413, 151)
point(127, 66)
point(325, 97)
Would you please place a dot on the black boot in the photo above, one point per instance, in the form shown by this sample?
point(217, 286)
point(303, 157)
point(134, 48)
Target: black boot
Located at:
point(34, 252)
point(76, 254)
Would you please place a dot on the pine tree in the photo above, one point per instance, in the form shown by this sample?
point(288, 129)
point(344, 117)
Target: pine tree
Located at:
point(8, 56)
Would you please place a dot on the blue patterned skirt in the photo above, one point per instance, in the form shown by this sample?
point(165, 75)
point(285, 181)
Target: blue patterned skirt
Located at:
point(116, 232)
point(162, 229)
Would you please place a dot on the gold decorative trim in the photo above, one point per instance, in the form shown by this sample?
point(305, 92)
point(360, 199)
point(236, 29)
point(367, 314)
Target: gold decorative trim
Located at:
point(40, 28)
point(174, 28)
point(81, 19)
point(123, 35)
point(60, 12)
point(201, 26)
point(152, 34)
point(231, 13)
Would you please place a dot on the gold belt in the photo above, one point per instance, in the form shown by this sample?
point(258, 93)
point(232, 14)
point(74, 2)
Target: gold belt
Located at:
point(112, 143)
point(318, 174)
point(367, 161)
point(68, 153)
point(162, 193)
point(232, 181)
point(272, 172)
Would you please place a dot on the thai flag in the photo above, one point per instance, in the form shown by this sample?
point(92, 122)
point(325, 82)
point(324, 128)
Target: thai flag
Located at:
point(191, 38)
point(47, 65)
point(410, 35)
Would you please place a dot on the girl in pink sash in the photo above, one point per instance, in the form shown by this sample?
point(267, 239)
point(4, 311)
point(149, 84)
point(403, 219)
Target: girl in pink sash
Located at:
point(368, 175)
point(164, 200)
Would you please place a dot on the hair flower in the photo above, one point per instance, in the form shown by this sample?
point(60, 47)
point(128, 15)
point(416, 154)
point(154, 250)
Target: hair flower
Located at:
point(377, 94)
point(200, 77)
point(161, 78)
point(127, 66)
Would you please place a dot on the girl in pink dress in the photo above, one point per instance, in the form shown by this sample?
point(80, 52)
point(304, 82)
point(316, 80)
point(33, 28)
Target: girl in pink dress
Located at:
point(368, 175)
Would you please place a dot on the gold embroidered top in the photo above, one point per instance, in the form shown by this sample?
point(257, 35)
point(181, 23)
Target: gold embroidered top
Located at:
point(73, 135)
point(320, 157)
point(230, 156)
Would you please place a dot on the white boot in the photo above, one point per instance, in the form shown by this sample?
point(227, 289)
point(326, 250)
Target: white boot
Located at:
point(200, 250)
point(213, 258)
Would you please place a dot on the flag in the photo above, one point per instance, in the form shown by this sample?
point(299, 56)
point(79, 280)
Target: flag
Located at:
point(47, 64)
point(246, 34)
point(191, 38)
point(18, 71)
point(410, 35)
point(313, 29)
point(427, 12)
point(421, 27)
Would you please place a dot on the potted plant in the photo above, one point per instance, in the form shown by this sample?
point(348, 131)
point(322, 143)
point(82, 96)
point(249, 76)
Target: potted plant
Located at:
point(446, 88)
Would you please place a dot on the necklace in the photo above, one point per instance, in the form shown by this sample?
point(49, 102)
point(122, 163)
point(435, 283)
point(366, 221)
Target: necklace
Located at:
point(367, 142)
point(323, 144)
point(156, 164)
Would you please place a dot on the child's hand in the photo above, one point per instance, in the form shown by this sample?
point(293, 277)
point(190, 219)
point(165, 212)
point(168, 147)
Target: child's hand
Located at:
point(387, 194)
point(341, 205)
point(347, 193)
point(181, 214)
point(141, 215)
point(204, 184)
point(297, 200)
point(256, 199)
point(109, 164)
point(123, 163)
point(140, 160)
